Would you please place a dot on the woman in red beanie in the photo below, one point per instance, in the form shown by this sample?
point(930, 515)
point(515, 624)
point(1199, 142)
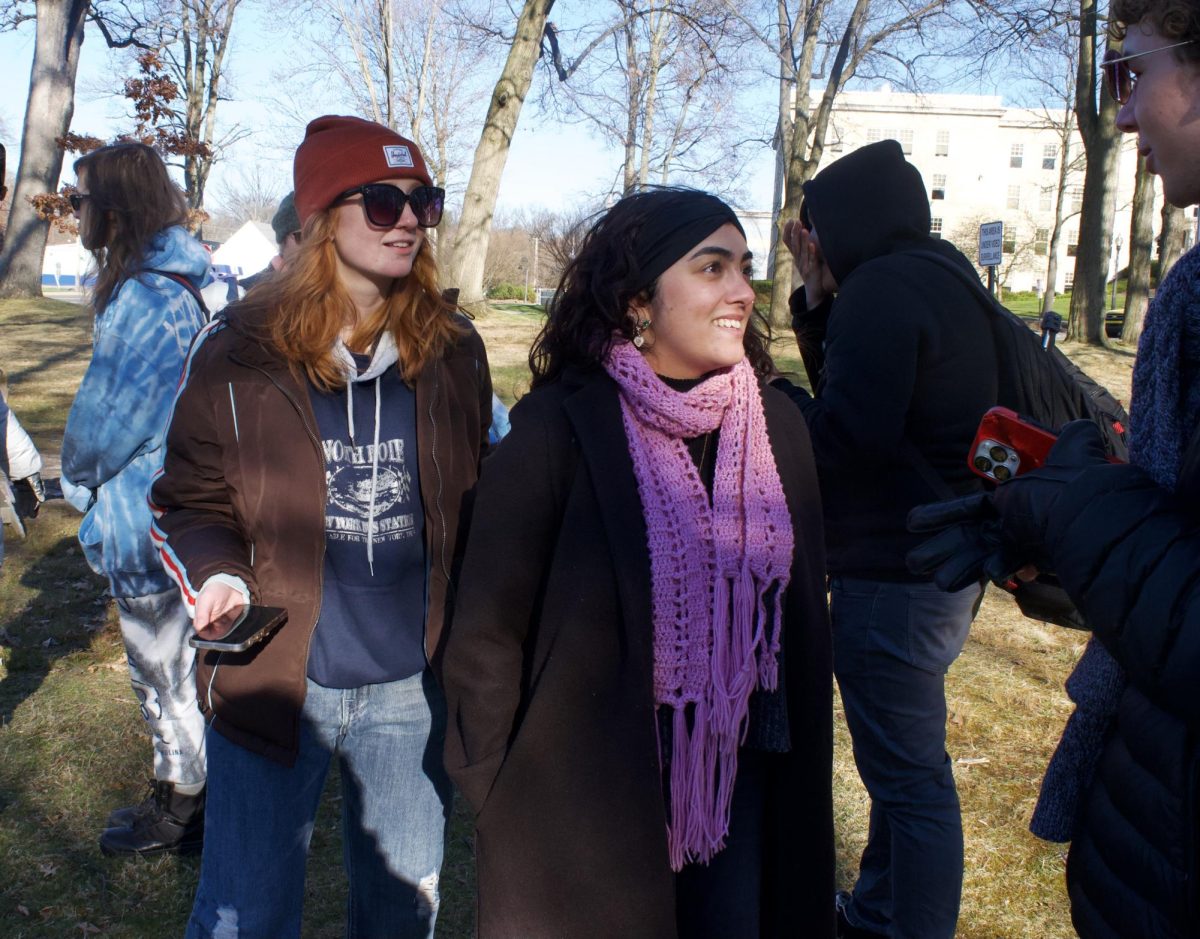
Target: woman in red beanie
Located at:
point(325, 433)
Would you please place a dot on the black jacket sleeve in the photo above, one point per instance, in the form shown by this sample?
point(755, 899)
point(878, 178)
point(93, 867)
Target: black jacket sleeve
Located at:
point(810, 327)
point(1128, 552)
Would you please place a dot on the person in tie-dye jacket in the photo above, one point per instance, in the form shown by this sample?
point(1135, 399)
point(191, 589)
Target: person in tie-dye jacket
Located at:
point(131, 218)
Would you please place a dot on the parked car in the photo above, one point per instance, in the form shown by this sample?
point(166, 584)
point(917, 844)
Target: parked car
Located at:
point(1114, 322)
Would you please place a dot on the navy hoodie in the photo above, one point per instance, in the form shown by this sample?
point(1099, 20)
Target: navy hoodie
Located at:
point(371, 626)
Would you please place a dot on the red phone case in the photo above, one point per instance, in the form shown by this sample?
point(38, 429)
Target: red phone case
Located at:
point(1007, 445)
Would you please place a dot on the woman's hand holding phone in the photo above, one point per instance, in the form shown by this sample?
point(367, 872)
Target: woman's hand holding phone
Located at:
point(215, 600)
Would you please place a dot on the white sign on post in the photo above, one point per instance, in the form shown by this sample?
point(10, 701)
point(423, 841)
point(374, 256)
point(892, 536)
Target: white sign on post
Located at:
point(991, 242)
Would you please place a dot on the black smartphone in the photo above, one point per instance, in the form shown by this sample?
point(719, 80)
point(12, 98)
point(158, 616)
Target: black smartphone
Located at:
point(240, 628)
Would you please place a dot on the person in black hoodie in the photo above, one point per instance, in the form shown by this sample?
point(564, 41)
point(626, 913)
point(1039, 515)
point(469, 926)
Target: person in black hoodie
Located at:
point(1124, 540)
point(904, 367)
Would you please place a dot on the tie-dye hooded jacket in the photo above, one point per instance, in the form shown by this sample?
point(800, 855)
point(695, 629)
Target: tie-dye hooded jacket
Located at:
point(114, 437)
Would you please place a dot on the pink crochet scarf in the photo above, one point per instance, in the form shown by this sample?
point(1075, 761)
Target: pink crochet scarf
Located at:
point(712, 570)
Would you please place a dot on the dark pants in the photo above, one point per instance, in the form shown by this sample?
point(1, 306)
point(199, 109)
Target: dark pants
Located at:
point(722, 899)
point(892, 645)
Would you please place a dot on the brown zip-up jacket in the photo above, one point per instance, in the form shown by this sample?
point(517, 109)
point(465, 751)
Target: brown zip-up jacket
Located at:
point(242, 492)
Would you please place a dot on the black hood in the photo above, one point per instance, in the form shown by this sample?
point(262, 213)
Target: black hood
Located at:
point(866, 204)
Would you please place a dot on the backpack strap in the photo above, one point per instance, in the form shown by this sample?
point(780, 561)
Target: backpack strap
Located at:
point(187, 285)
point(967, 277)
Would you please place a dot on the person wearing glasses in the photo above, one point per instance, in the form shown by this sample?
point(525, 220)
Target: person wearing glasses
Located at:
point(325, 434)
point(131, 218)
point(639, 670)
point(1124, 784)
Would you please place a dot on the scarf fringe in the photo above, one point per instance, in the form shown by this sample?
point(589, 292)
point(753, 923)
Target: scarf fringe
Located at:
point(704, 755)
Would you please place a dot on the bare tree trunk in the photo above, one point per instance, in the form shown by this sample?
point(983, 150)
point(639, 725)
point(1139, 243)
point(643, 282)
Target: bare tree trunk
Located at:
point(387, 36)
point(658, 36)
point(1172, 238)
point(633, 100)
point(1060, 198)
point(205, 32)
point(1141, 247)
point(1102, 144)
point(47, 116)
point(469, 248)
point(801, 163)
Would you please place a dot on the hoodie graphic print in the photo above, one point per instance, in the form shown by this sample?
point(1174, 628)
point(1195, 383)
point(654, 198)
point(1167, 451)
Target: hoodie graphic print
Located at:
point(371, 625)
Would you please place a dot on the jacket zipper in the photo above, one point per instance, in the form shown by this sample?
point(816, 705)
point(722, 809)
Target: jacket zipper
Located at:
point(320, 578)
point(437, 501)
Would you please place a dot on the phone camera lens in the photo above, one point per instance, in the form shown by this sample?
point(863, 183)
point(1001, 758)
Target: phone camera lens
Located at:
point(1002, 473)
point(999, 454)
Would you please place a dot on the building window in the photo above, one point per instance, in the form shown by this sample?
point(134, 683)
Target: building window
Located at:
point(1049, 156)
point(1016, 156)
point(1072, 243)
point(1069, 279)
point(943, 143)
point(1009, 244)
point(935, 227)
point(1045, 199)
point(906, 141)
point(1076, 194)
point(1041, 238)
point(1014, 197)
point(874, 135)
point(939, 186)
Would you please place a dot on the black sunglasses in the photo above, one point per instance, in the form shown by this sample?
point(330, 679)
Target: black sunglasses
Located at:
point(76, 200)
point(384, 204)
point(1118, 79)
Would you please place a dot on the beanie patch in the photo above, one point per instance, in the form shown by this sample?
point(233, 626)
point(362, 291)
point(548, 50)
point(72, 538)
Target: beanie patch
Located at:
point(398, 156)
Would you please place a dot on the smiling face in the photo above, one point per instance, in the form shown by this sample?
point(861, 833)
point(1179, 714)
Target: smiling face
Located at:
point(371, 257)
point(701, 308)
point(1164, 112)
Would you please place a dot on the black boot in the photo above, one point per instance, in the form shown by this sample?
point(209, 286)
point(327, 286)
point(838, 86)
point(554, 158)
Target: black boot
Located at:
point(844, 930)
point(125, 816)
point(172, 823)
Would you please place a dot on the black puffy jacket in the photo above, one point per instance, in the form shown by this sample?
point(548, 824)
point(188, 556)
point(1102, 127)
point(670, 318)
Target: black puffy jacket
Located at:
point(1128, 551)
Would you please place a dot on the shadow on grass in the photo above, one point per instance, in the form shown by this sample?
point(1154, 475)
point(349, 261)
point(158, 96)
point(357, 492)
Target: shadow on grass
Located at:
point(68, 606)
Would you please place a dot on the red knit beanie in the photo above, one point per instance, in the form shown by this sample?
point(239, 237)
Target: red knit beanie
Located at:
point(339, 153)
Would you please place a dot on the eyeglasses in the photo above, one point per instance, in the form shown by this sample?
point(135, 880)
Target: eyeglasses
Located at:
point(384, 204)
point(76, 200)
point(1118, 79)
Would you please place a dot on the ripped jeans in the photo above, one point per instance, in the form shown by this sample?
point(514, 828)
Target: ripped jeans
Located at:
point(395, 807)
point(162, 669)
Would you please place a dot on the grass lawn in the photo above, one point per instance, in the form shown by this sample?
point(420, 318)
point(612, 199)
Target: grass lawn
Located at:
point(72, 745)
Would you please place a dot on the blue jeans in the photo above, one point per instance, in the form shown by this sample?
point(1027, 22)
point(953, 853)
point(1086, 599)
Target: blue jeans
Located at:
point(892, 645)
point(395, 806)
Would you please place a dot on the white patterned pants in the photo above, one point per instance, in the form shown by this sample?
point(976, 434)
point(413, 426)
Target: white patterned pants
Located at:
point(162, 670)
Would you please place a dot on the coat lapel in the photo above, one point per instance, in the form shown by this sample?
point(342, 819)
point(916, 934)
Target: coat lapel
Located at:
point(595, 414)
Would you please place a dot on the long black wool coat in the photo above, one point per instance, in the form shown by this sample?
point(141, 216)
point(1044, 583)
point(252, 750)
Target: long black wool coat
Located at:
point(548, 668)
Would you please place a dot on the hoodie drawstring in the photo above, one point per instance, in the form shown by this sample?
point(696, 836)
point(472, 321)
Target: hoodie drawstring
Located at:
point(374, 478)
point(374, 462)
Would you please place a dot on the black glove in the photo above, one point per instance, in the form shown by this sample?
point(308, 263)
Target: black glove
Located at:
point(995, 534)
point(28, 495)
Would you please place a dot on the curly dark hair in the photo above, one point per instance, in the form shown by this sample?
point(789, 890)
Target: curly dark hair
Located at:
point(1176, 20)
point(591, 305)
